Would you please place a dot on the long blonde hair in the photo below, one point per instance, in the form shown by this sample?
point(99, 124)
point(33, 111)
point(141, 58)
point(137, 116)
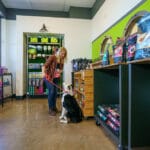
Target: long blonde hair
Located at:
point(61, 58)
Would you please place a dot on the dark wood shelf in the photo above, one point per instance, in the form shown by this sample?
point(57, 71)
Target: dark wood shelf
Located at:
point(140, 61)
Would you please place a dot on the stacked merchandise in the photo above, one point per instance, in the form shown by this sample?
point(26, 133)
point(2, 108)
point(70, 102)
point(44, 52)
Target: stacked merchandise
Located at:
point(119, 50)
point(39, 51)
point(143, 40)
point(137, 45)
point(131, 47)
point(81, 64)
point(109, 115)
point(36, 84)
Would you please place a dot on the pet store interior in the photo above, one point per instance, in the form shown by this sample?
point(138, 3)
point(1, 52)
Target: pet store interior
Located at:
point(107, 66)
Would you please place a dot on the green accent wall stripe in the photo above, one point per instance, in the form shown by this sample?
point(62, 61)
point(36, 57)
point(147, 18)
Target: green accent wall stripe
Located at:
point(117, 30)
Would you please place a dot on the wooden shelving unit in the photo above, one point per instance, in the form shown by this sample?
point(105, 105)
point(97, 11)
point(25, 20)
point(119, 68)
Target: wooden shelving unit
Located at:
point(84, 89)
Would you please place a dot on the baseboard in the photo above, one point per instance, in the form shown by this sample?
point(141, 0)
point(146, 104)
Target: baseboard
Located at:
point(20, 97)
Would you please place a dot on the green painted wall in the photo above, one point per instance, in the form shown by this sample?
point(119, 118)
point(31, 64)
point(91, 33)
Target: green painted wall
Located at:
point(118, 29)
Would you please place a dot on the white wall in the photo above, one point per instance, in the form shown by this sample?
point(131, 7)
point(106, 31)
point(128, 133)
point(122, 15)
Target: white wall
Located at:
point(77, 41)
point(3, 42)
point(9, 47)
point(110, 12)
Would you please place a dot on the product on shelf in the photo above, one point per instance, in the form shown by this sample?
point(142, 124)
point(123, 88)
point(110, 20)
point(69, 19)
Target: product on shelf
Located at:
point(109, 115)
point(105, 58)
point(131, 44)
point(81, 64)
point(113, 127)
point(102, 116)
point(144, 23)
point(119, 50)
point(143, 46)
point(83, 85)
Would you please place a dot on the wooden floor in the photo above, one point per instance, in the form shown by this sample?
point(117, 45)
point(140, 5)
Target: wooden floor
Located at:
point(26, 125)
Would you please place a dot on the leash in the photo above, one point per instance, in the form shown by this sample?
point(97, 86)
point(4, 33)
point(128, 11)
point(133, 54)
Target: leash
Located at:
point(56, 86)
point(59, 87)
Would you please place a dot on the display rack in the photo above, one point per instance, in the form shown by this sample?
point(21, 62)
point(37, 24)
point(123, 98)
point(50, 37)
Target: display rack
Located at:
point(6, 87)
point(39, 46)
point(112, 89)
point(126, 85)
point(83, 86)
point(139, 104)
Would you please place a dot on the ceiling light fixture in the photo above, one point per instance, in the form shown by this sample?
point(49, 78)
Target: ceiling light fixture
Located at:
point(43, 29)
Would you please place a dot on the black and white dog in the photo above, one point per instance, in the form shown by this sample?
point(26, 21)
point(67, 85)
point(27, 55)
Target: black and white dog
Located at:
point(71, 112)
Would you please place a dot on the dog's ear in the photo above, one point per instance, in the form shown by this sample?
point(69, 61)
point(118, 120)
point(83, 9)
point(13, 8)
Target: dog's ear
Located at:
point(64, 84)
point(70, 86)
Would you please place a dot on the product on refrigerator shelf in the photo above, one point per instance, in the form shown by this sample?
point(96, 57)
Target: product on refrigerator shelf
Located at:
point(39, 48)
point(32, 49)
point(49, 49)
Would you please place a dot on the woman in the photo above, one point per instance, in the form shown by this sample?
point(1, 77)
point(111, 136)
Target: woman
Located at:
point(52, 70)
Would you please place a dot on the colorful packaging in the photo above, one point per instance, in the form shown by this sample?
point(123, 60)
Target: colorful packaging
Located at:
point(105, 59)
point(3, 70)
point(144, 23)
point(118, 54)
point(142, 46)
point(131, 47)
point(118, 51)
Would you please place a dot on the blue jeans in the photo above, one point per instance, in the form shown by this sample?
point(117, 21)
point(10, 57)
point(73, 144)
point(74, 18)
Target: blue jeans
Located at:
point(52, 93)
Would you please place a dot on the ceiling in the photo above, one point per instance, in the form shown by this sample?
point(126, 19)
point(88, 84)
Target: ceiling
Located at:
point(48, 5)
